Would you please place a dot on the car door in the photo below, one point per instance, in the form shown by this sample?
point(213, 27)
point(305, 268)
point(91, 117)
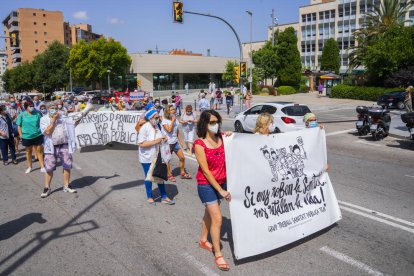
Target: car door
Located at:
point(250, 117)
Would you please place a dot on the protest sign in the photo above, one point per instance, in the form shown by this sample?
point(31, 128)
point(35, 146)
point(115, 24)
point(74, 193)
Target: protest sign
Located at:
point(280, 189)
point(135, 96)
point(100, 128)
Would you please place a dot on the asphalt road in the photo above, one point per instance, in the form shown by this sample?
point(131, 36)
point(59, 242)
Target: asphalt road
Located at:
point(109, 229)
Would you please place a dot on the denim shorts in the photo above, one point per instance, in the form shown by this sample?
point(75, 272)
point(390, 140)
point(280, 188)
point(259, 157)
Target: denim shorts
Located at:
point(175, 147)
point(208, 195)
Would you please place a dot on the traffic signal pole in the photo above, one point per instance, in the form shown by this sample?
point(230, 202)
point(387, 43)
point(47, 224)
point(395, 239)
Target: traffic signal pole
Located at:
point(238, 40)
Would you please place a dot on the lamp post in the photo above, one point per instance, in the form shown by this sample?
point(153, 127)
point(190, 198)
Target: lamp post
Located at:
point(109, 82)
point(70, 79)
point(251, 58)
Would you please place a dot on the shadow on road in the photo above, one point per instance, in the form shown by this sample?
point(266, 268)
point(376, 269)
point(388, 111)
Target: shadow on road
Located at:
point(11, 228)
point(110, 146)
point(403, 144)
point(171, 189)
point(43, 238)
point(89, 180)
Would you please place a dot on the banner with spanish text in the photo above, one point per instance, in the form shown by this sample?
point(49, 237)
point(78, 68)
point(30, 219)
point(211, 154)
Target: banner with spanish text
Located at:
point(100, 128)
point(280, 189)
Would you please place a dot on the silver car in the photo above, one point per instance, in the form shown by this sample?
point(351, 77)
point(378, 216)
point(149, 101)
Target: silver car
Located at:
point(287, 116)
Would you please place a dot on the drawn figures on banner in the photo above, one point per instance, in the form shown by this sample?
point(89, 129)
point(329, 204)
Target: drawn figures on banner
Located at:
point(84, 140)
point(286, 164)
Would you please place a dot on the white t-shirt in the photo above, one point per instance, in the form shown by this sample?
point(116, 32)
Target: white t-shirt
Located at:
point(172, 136)
point(147, 133)
point(188, 126)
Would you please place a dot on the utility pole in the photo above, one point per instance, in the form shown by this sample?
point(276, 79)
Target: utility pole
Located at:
point(251, 52)
point(273, 27)
point(70, 79)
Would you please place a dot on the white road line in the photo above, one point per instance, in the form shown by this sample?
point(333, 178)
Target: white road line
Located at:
point(190, 157)
point(376, 213)
point(346, 259)
point(410, 230)
point(368, 143)
point(409, 175)
point(339, 132)
point(200, 266)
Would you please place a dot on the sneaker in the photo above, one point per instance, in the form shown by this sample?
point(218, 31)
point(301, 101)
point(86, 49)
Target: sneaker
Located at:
point(69, 189)
point(5, 163)
point(15, 162)
point(43, 170)
point(46, 192)
point(29, 169)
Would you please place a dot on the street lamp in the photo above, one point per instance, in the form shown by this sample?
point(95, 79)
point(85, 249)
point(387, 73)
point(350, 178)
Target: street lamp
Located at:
point(251, 53)
point(109, 82)
point(70, 79)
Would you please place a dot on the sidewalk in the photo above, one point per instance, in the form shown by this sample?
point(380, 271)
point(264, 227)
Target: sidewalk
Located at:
point(316, 103)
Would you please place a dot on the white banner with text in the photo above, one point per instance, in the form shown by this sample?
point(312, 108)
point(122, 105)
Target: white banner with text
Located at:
point(280, 189)
point(100, 128)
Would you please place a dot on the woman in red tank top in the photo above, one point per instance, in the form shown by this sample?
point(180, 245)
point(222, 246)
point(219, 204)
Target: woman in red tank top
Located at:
point(211, 180)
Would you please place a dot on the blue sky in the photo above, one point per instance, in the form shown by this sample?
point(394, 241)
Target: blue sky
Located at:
point(142, 24)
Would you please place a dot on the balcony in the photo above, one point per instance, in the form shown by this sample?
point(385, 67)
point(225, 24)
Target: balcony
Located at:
point(12, 19)
point(13, 28)
point(16, 55)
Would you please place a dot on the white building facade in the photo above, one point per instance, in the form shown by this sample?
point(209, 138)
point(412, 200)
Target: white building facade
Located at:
point(3, 67)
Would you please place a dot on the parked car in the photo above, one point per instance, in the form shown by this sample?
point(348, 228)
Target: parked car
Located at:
point(392, 100)
point(287, 116)
point(78, 90)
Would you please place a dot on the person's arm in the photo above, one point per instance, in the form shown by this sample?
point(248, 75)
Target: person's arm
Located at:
point(180, 139)
point(49, 130)
point(170, 127)
point(148, 144)
point(140, 123)
point(202, 161)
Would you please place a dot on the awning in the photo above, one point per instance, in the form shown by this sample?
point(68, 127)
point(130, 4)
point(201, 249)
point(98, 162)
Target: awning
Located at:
point(330, 76)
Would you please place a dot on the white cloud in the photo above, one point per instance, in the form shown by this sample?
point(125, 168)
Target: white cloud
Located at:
point(80, 15)
point(115, 21)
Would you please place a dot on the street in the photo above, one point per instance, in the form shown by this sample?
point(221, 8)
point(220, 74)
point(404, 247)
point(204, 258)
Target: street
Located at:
point(107, 228)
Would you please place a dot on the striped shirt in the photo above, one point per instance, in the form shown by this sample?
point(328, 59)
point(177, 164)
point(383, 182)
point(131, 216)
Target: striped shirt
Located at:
point(13, 112)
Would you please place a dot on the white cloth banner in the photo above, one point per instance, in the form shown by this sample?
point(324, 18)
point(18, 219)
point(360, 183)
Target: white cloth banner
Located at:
point(280, 189)
point(100, 128)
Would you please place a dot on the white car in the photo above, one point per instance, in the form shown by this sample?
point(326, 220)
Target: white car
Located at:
point(287, 116)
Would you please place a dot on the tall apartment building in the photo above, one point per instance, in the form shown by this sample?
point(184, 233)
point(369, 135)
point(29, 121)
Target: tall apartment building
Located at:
point(36, 28)
point(324, 19)
point(3, 66)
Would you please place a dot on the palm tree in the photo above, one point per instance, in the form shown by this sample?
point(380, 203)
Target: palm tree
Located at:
point(386, 13)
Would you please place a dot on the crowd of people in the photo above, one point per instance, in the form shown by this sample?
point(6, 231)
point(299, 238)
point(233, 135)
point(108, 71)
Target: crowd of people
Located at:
point(47, 132)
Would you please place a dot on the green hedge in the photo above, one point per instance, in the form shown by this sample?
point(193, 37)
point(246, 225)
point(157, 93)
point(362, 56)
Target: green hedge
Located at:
point(286, 90)
point(365, 93)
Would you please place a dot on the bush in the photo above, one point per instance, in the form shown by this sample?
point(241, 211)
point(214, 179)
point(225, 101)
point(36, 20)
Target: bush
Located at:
point(268, 89)
point(286, 90)
point(360, 92)
point(303, 88)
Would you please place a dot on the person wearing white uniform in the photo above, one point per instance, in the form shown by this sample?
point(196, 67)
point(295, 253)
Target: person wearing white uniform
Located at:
point(188, 121)
point(149, 137)
point(169, 127)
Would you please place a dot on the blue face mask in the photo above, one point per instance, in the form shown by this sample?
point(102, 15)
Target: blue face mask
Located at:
point(44, 111)
point(13, 104)
point(313, 124)
point(52, 112)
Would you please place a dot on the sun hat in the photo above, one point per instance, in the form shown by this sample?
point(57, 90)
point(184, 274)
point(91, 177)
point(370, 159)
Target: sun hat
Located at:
point(308, 116)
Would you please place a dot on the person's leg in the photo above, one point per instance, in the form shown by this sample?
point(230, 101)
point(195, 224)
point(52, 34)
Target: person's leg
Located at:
point(29, 150)
point(48, 179)
point(16, 143)
point(39, 154)
point(180, 155)
point(3, 147)
point(205, 226)
point(66, 177)
point(12, 148)
point(148, 184)
point(190, 147)
point(215, 229)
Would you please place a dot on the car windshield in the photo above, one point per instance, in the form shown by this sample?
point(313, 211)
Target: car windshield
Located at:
point(296, 110)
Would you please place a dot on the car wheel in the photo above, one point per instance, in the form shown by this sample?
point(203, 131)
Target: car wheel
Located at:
point(238, 127)
point(400, 105)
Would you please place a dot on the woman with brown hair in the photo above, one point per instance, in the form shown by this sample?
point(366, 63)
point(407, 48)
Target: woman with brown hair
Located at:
point(211, 179)
point(188, 121)
point(28, 124)
point(170, 129)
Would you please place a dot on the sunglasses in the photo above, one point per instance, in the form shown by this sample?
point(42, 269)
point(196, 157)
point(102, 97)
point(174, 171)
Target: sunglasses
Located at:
point(213, 123)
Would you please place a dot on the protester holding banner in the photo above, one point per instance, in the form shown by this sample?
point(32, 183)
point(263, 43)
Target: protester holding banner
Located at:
point(28, 124)
point(310, 121)
point(59, 143)
point(211, 179)
point(149, 138)
point(170, 129)
point(264, 124)
point(188, 121)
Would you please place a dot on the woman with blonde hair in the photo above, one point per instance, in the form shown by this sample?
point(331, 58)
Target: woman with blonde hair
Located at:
point(264, 124)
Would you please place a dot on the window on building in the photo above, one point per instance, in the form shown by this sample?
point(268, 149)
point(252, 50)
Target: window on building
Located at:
point(320, 46)
point(303, 48)
point(303, 18)
point(309, 17)
point(35, 41)
point(313, 47)
point(34, 14)
point(44, 24)
point(321, 14)
point(341, 11)
point(314, 16)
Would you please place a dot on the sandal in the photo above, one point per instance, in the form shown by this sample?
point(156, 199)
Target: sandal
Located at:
point(171, 178)
point(168, 201)
point(205, 246)
point(185, 175)
point(222, 267)
point(151, 202)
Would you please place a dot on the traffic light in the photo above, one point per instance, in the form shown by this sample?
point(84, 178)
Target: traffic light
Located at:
point(178, 12)
point(13, 40)
point(243, 70)
point(236, 74)
point(139, 83)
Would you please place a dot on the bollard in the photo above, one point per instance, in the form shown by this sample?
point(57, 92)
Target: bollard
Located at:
point(195, 105)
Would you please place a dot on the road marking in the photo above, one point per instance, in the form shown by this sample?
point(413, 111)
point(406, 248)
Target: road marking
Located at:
point(77, 167)
point(409, 175)
point(190, 157)
point(346, 259)
point(376, 213)
point(200, 266)
point(339, 132)
point(410, 230)
point(368, 143)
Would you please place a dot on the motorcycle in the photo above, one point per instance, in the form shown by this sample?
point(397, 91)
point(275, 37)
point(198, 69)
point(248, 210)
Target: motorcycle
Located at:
point(408, 120)
point(364, 120)
point(380, 122)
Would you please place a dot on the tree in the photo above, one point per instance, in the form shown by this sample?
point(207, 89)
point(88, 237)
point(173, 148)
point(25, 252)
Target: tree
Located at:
point(50, 70)
point(228, 74)
point(266, 59)
point(385, 14)
point(331, 61)
point(90, 62)
point(289, 67)
point(7, 79)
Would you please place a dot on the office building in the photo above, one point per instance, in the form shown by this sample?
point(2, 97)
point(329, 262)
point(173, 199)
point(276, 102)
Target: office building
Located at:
point(35, 29)
point(324, 19)
point(3, 67)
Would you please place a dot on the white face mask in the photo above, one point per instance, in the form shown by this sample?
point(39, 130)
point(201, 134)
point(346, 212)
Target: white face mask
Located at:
point(214, 129)
point(31, 109)
point(271, 128)
point(59, 106)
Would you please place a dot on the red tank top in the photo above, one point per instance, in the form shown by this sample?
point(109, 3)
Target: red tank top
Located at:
point(216, 161)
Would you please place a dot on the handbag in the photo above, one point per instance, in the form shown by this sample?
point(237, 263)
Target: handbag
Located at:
point(160, 168)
